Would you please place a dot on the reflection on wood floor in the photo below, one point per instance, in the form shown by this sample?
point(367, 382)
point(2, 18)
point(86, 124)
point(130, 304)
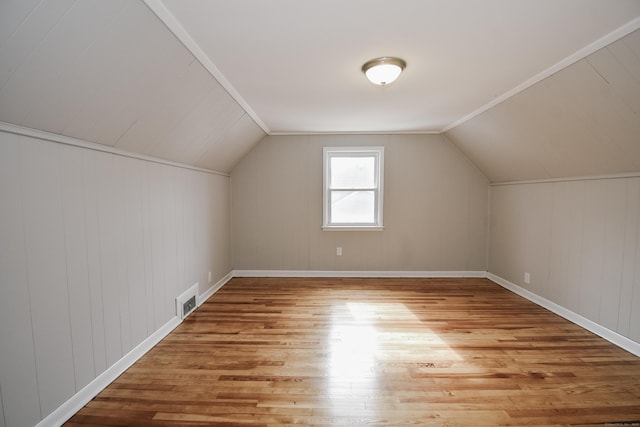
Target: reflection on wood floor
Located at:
point(455, 352)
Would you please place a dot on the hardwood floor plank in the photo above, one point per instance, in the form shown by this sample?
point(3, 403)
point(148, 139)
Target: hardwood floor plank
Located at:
point(389, 352)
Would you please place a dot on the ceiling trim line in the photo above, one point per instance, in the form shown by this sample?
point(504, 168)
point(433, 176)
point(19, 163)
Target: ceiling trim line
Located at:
point(580, 54)
point(407, 132)
point(174, 26)
point(75, 142)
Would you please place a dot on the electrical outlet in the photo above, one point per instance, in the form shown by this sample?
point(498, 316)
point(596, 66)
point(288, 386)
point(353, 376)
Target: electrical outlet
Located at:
point(527, 278)
point(339, 251)
point(209, 277)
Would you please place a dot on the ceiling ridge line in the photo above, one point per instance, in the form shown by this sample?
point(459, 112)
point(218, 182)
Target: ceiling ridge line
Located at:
point(372, 132)
point(578, 55)
point(175, 27)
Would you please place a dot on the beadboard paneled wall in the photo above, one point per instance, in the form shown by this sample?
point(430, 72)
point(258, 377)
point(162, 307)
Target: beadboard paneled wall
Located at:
point(579, 242)
point(94, 248)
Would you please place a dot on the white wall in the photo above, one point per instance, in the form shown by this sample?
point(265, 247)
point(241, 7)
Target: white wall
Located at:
point(94, 248)
point(579, 240)
point(435, 208)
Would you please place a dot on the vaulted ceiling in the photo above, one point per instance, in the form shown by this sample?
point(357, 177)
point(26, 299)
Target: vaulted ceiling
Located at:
point(528, 89)
point(582, 121)
point(110, 72)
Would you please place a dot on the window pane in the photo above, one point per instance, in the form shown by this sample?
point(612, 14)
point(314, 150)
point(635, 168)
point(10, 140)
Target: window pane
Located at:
point(352, 207)
point(353, 172)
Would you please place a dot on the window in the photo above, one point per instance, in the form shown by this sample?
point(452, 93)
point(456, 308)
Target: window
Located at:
point(353, 183)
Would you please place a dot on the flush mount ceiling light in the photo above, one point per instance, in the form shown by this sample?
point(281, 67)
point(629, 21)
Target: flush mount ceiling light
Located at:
point(382, 71)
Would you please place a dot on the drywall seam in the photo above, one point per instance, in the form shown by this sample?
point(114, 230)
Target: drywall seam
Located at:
point(568, 179)
point(173, 24)
point(580, 54)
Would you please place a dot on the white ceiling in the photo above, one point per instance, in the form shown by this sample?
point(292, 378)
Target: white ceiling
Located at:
point(527, 89)
point(582, 121)
point(109, 72)
point(294, 65)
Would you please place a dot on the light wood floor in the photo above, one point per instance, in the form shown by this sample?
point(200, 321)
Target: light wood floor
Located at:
point(455, 352)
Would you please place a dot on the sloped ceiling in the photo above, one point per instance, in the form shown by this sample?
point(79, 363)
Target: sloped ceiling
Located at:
point(297, 63)
point(582, 121)
point(110, 72)
point(200, 82)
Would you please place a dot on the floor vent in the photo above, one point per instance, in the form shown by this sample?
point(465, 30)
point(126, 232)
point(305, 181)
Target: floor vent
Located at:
point(186, 302)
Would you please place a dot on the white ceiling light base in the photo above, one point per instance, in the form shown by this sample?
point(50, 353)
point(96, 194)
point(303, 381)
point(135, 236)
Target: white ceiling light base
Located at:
point(384, 70)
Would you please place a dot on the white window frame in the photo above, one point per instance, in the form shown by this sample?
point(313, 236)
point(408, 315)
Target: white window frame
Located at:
point(378, 154)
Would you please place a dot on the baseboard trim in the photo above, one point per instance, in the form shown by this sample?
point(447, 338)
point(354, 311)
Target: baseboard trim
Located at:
point(82, 397)
point(214, 288)
point(333, 273)
point(609, 335)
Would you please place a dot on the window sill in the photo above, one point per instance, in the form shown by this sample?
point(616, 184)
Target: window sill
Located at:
point(352, 228)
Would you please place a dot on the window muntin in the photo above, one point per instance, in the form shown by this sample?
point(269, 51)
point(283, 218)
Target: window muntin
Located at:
point(353, 182)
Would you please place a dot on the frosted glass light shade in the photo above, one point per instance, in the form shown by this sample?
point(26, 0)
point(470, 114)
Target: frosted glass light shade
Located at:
point(382, 71)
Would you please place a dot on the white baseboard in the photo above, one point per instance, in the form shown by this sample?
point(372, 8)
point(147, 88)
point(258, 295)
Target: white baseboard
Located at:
point(214, 288)
point(333, 273)
point(82, 397)
point(609, 335)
